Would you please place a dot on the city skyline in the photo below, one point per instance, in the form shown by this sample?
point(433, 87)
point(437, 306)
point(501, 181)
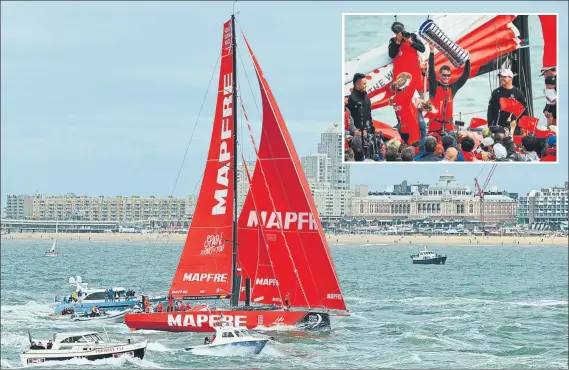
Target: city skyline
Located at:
point(109, 110)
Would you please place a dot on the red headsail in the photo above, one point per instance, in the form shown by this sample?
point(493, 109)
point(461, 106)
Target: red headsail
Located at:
point(293, 236)
point(205, 265)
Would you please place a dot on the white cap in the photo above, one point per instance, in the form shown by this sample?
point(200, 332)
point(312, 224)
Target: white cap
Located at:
point(506, 73)
point(500, 151)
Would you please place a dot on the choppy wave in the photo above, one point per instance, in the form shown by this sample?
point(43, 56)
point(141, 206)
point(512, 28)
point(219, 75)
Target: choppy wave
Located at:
point(471, 313)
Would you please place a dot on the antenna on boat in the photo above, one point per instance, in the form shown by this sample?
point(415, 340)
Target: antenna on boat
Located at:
point(234, 300)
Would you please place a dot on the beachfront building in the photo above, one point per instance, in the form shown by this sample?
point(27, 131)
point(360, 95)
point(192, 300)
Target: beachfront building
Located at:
point(544, 209)
point(330, 203)
point(19, 206)
point(81, 207)
point(332, 144)
point(446, 200)
point(243, 181)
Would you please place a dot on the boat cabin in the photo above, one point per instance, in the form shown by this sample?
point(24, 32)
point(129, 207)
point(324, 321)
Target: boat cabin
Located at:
point(73, 338)
point(427, 254)
point(70, 340)
point(99, 294)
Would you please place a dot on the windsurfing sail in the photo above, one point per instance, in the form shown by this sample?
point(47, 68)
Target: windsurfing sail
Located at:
point(490, 40)
point(205, 267)
point(285, 210)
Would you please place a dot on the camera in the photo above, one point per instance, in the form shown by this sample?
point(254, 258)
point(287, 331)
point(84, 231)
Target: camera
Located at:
point(406, 34)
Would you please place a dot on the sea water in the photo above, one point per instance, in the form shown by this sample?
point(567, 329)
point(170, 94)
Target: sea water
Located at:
point(488, 307)
point(363, 33)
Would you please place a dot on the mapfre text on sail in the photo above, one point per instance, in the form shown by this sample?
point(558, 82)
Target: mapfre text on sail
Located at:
point(224, 154)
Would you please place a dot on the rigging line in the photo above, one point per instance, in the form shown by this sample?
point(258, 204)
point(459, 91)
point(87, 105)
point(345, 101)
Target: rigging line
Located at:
point(150, 259)
point(249, 83)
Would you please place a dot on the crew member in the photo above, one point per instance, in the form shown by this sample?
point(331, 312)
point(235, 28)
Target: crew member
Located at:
point(287, 301)
point(495, 116)
point(405, 102)
point(403, 49)
point(550, 109)
point(441, 94)
point(359, 104)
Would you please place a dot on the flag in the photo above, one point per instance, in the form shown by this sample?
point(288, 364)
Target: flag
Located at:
point(477, 122)
point(543, 134)
point(528, 123)
point(511, 105)
point(517, 139)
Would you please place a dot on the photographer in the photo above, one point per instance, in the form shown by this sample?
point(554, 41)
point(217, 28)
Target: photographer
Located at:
point(403, 49)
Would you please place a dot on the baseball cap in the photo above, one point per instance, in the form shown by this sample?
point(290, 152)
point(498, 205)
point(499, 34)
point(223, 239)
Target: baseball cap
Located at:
point(552, 141)
point(543, 70)
point(487, 141)
point(506, 73)
point(500, 151)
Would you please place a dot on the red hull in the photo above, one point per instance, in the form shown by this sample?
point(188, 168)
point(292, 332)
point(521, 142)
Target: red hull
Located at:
point(202, 321)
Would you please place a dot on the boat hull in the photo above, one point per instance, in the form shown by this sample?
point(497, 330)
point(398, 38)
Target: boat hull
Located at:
point(41, 356)
point(252, 346)
point(431, 261)
point(203, 321)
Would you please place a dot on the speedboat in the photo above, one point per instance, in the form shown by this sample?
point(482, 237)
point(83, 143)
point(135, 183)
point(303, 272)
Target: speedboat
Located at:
point(228, 336)
point(427, 257)
point(85, 344)
point(86, 298)
point(99, 315)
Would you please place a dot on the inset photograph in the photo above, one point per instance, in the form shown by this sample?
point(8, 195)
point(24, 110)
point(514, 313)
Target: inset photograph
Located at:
point(450, 88)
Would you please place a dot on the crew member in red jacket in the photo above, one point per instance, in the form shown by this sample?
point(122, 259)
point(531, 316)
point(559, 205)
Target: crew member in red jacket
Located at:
point(404, 49)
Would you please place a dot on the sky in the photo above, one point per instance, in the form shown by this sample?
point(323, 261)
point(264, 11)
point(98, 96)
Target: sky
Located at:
point(101, 98)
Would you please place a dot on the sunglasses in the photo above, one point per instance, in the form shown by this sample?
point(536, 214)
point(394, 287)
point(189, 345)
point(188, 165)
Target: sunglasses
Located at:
point(445, 75)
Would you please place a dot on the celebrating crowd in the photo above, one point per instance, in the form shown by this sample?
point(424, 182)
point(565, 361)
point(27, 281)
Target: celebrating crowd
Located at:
point(426, 130)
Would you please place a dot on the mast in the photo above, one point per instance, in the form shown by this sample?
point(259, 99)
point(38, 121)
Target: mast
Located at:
point(521, 65)
point(235, 284)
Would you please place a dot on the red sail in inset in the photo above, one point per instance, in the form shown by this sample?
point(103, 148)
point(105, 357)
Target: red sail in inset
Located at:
point(205, 265)
point(294, 237)
point(253, 258)
point(549, 30)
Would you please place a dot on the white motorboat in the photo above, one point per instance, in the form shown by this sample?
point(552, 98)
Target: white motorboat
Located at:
point(228, 336)
point(85, 344)
point(99, 316)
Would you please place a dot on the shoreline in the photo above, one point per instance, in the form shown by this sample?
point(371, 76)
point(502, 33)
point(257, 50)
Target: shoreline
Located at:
point(374, 240)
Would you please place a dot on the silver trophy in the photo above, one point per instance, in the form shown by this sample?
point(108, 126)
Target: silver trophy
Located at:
point(431, 32)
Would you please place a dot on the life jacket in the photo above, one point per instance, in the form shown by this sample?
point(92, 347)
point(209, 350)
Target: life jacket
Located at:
point(408, 114)
point(435, 123)
point(407, 60)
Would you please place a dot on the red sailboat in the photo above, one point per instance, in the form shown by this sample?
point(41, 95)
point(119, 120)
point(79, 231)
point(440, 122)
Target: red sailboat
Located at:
point(273, 262)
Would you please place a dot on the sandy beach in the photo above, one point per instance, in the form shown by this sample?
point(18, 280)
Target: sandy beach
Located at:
point(376, 240)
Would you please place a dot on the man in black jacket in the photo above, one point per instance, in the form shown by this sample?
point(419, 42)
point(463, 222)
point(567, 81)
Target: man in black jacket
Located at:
point(497, 117)
point(359, 104)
